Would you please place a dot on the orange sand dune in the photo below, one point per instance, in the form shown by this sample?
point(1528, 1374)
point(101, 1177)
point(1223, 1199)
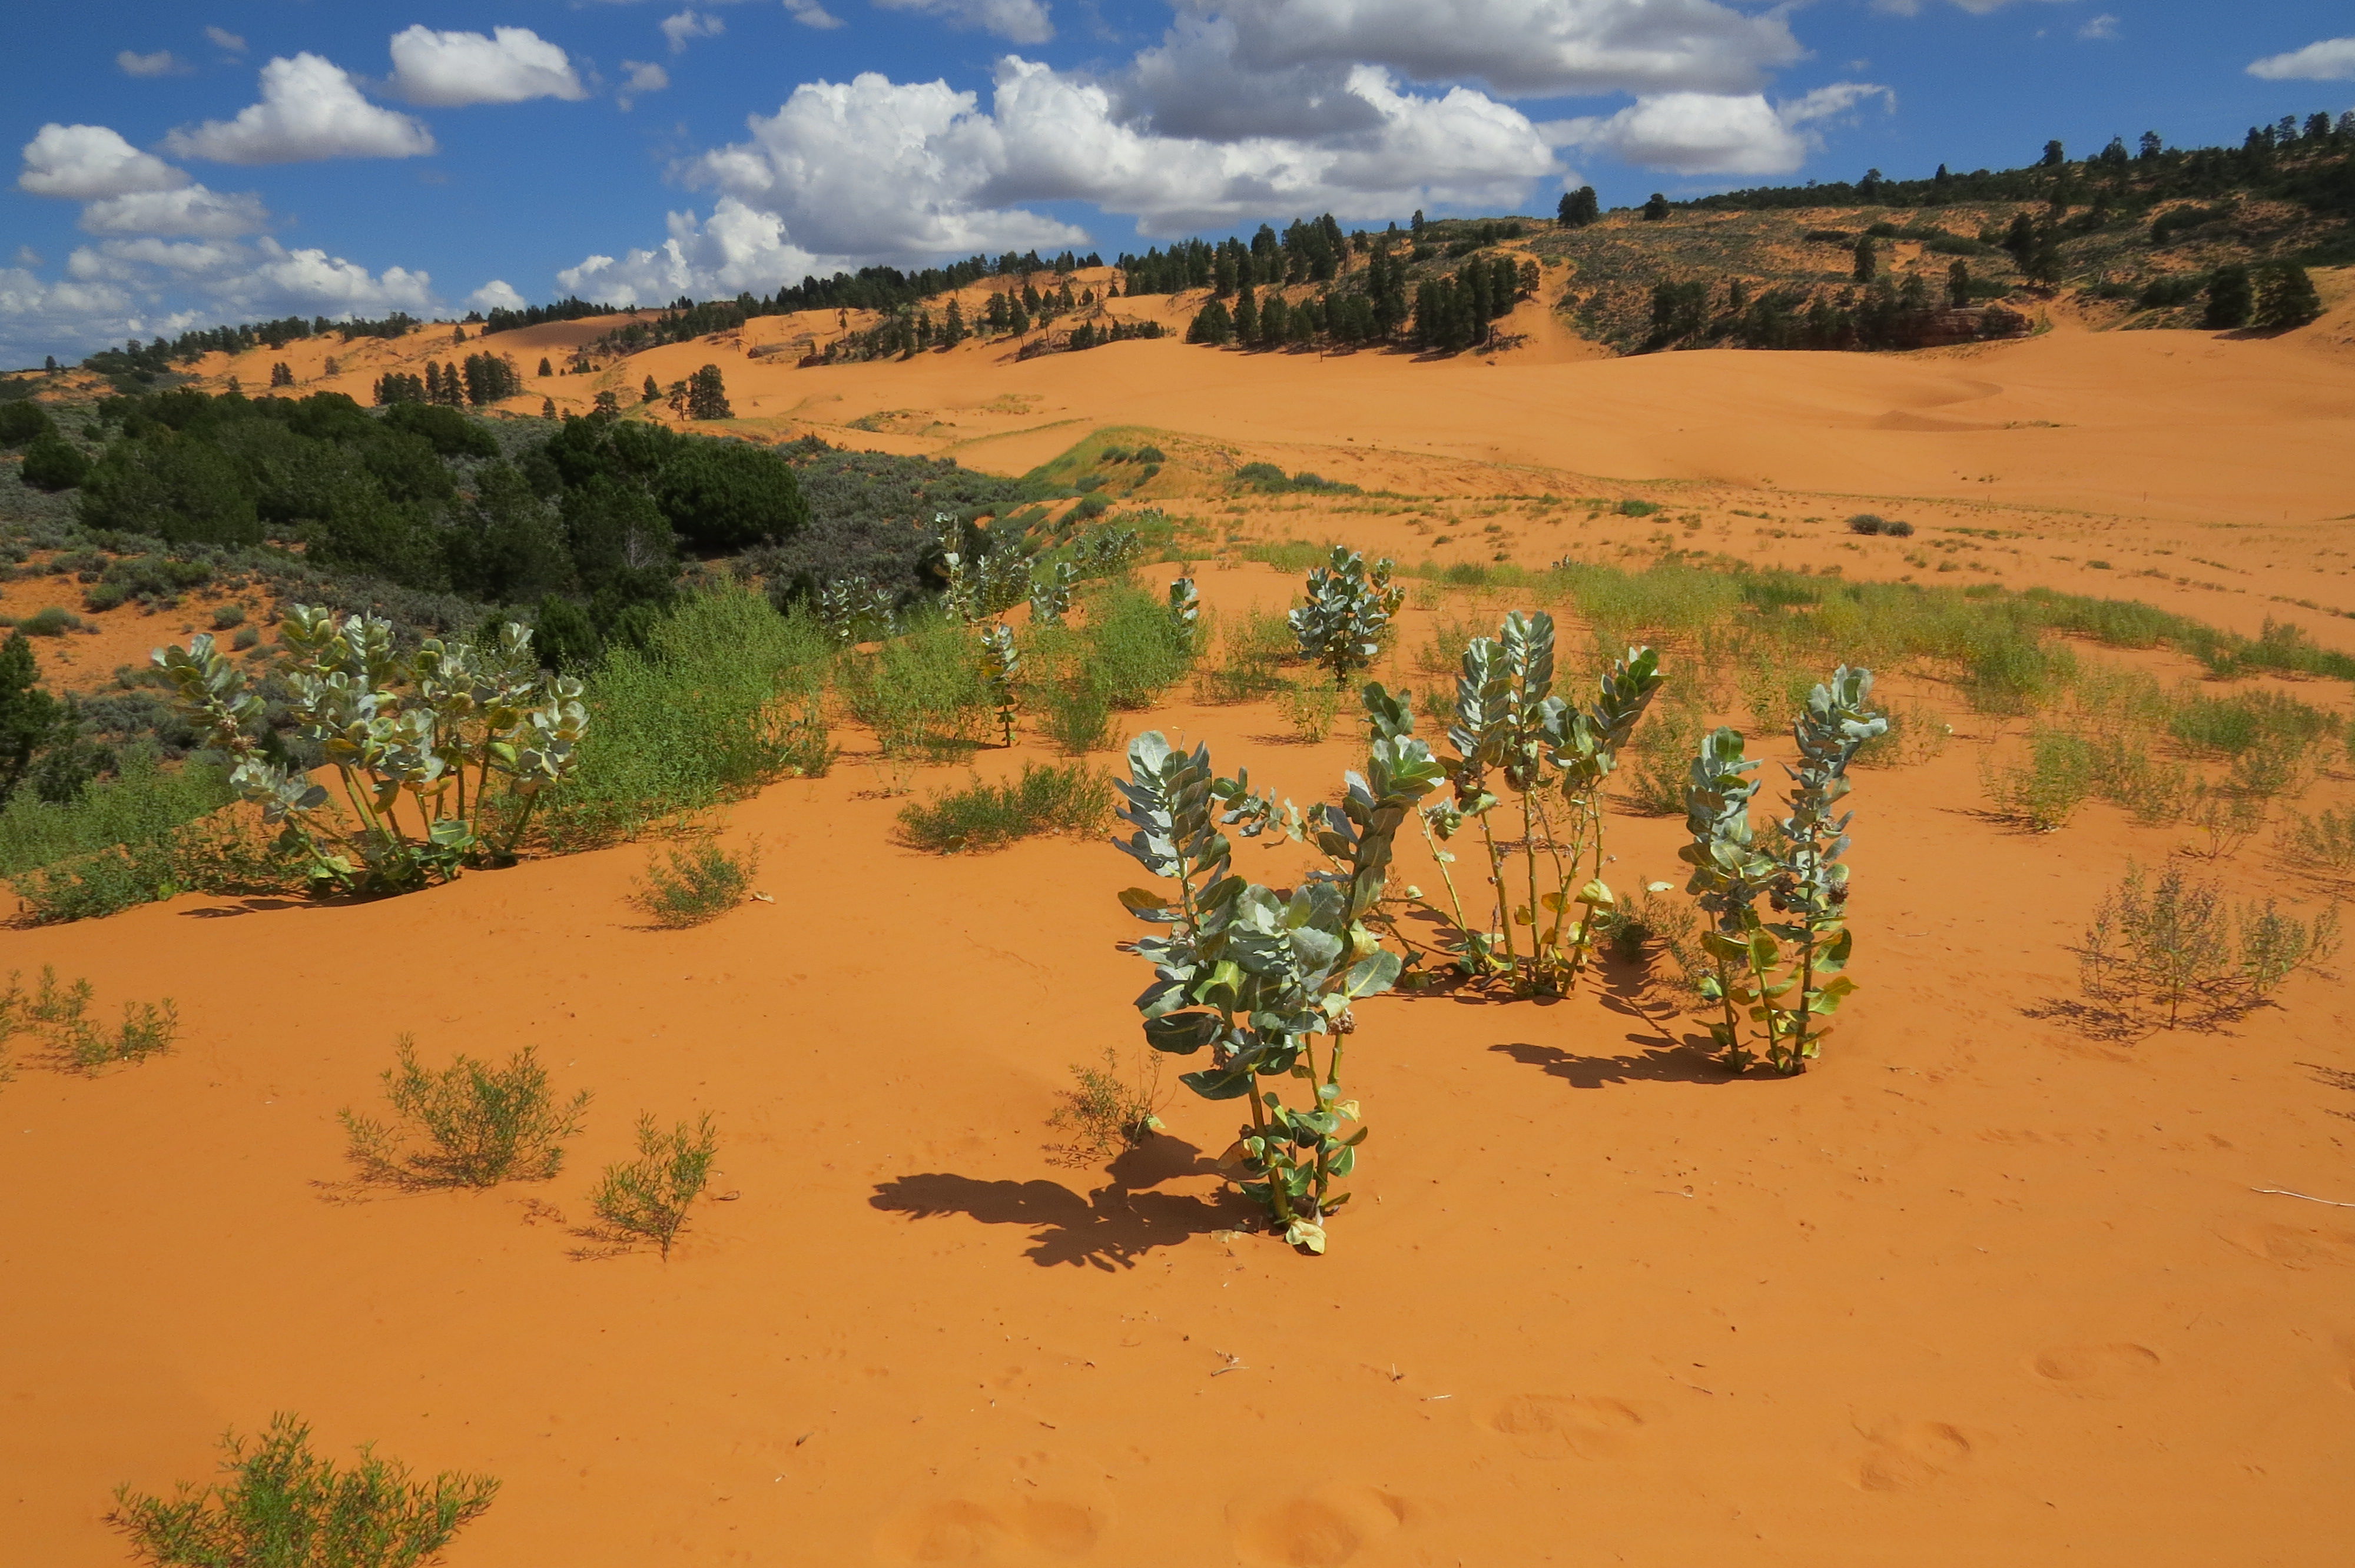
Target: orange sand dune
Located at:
point(1976, 1288)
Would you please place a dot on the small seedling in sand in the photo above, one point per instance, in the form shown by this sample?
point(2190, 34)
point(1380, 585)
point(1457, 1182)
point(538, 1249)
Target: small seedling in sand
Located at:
point(698, 884)
point(1257, 975)
point(468, 1125)
point(284, 1506)
point(62, 1014)
point(1105, 1110)
point(1310, 708)
point(1349, 610)
point(648, 1197)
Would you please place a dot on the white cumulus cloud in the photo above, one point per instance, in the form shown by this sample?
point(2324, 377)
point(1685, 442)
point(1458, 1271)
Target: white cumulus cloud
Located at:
point(688, 25)
point(513, 65)
point(495, 295)
point(84, 163)
point(310, 109)
point(645, 77)
point(162, 62)
point(2332, 59)
point(190, 210)
point(1518, 47)
point(1016, 21)
point(1703, 132)
point(810, 14)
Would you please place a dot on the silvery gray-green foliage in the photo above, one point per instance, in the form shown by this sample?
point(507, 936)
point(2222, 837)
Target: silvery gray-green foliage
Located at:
point(1350, 605)
point(1512, 735)
point(1051, 594)
point(853, 610)
point(431, 729)
point(1001, 662)
point(1786, 973)
point(1186, 609)
point(1107, 551)
point(1256, 974)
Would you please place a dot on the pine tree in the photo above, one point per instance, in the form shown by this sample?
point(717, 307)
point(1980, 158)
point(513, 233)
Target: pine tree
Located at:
point(546, 368)
point(2230, 301)
point(1212, 325)
point(1246, 316)
point(548, 407)
point(1578, 208)
point(1274, 322)
point(650, 393)
point(953, 326)
point(1958, 283)
point(706, 396)
point(997, 313)
point(2284, 297)
point(282, 374)
point(31, 721)
point(1868, 262)
point(1656, 209)
point(1017, 319)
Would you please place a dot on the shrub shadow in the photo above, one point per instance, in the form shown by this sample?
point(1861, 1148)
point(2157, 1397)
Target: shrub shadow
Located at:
point(1109, 1228)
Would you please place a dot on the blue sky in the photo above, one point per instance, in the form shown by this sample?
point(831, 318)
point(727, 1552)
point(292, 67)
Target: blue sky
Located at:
point(185, 166)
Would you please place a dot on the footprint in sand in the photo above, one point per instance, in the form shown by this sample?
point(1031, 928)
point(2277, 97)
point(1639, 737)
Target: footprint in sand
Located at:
point(961, 1530)
point(2097, 1371)
point(1322, 1529)
point(2298, 1246)
point(1900, 1455)
point(1556, 1426)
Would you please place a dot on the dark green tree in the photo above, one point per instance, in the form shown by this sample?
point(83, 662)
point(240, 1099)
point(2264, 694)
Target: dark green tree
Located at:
point(2054, 156)
point(546, 368)
point(2231, 300)
point(31, 721)
point(2284, 297)
point(1212, 325)
point(1656, 209)
point(1958, 283)
point(565, 637)
point(952, 324)
point(1578, 208)
point(52, 462)
point(1868, 260)
point(506, 545)
point(706, 396)
point(650, 392)
point(1246, 316)
point(175, 487)
point(282, 374)
point(21, 420)
point(721, 495)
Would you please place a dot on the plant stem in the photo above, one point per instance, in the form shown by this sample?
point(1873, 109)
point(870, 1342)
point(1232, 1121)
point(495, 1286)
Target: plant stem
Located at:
point(1504, 895)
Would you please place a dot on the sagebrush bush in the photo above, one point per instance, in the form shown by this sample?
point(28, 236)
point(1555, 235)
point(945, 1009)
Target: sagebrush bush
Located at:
point(2325, 842)
point(647, 1199)
point(694, 884)
point(282, 1505)
point(467, 1125)
point(985, 816)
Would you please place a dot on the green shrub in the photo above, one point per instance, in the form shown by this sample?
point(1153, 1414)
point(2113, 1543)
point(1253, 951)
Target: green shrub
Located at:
point(147, 833)
point(21, 419)
point(53, 620)
point(285, 1507)
point(2232, 725)
point(1106, 1111)
point(2179, 946)
point(924, 693)
point(1663, 754)
point(229, 617)
point(1634, 508)
point(1134, 646)
point(468, 1125)
point(62, 1014)
point(2044, 787)
point(53, 463)
point(722, 700)
point(2325, 842)
point(1310, 708)
point(1254, 652)
point(1915, 734)
point(985, 816)
point(647, 1199)
point(699, 885)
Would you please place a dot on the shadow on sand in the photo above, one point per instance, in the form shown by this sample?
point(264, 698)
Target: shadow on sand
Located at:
point(1109, 1228)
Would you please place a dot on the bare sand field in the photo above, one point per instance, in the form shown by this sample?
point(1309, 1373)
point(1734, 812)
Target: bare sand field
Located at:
point(1980, 1285)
